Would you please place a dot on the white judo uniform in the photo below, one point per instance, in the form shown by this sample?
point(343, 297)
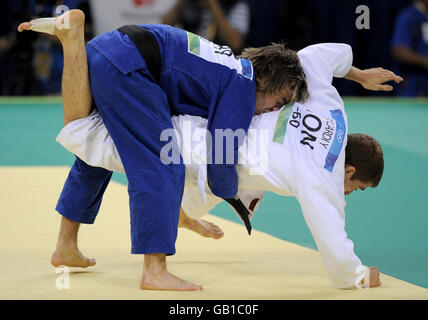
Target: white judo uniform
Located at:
point(297, 151)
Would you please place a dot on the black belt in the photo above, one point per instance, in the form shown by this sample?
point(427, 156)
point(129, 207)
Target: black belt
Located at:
point(147, 46)
point(240, 209)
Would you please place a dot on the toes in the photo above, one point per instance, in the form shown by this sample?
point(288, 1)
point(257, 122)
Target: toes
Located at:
point(212, 230)
point(193, 287)
point(220, 235)
point(92, 262)
point(85, 262)
point(73, 259)
point(215, 228)
point(176, 285)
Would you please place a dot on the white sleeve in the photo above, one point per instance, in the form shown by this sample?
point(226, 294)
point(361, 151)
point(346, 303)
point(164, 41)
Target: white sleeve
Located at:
point(89, 139)
point(329, 59)
point(324, 214)
point(195, 207)
point(251, 199)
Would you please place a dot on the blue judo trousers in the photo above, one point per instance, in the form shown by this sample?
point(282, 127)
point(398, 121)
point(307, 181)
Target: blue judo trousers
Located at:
point(136, 109)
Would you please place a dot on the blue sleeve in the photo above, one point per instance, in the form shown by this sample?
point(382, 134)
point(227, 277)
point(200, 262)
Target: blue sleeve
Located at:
point(402, 35)
point(231, 116)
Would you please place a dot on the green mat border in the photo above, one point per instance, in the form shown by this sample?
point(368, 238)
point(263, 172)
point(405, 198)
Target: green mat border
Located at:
point(30, 100)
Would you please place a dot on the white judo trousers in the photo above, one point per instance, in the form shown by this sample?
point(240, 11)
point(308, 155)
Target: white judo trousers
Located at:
point(297, 151)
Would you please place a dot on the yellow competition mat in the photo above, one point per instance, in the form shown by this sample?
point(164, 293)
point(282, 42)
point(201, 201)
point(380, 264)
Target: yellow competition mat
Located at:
point(234, 267)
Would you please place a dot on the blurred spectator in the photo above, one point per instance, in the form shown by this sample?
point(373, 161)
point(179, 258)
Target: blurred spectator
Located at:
point(31, 63)
point(224, 22)
point(17, 51)
point(410, 48)
point(335, 21)
point(48, 64)
point(279, 20)
point(5, 45)
point(112, 14)
point(48, 58)
point(296, 23)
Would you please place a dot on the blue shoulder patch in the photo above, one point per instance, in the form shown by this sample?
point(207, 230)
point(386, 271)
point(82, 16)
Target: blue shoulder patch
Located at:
point(339, 137)
point(247, 68)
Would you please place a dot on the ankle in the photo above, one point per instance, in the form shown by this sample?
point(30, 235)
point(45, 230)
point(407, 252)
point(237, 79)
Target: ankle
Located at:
point(154, 263)
point(70, 37)
point(66, 244)
point(188, 223)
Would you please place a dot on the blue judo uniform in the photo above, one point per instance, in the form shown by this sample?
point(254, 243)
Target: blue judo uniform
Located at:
point(198, 78)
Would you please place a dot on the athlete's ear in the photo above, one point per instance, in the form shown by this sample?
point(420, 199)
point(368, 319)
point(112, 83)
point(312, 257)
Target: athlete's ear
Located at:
point(349, 171)
point(261, 84)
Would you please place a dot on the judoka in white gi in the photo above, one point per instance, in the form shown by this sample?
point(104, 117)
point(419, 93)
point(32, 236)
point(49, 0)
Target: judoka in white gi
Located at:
point(296, 151)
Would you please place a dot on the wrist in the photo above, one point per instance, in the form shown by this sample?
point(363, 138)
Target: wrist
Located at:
point(356, 75)
point(363, 280)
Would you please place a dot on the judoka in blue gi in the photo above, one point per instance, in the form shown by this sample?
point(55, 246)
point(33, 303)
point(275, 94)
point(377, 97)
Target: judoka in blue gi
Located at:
point(139, 77)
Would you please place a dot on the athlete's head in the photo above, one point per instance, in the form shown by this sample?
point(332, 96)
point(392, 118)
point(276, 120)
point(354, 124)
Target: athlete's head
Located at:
point(279, 77)
point(363, 162)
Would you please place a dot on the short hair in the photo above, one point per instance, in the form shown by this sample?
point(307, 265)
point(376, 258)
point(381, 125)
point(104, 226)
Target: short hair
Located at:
point(365, 154)
point(280, 67)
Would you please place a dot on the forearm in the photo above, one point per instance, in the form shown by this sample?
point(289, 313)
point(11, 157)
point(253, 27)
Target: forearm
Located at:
point(373, 79)
point(232, 37)
point(406, 55)
point(355, 74)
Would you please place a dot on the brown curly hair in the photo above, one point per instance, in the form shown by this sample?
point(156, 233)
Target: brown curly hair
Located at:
point(279, 68)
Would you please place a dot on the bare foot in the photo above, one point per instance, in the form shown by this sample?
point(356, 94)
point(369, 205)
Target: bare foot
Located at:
point(156, 276)
point(71, 257)
point(166, 281)
point(68, 25)
point(204, 228)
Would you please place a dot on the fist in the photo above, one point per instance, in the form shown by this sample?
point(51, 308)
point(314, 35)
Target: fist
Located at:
point(374, 276)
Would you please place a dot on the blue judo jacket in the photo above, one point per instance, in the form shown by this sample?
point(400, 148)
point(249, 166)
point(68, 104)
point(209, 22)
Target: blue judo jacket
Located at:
point(199, 78)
